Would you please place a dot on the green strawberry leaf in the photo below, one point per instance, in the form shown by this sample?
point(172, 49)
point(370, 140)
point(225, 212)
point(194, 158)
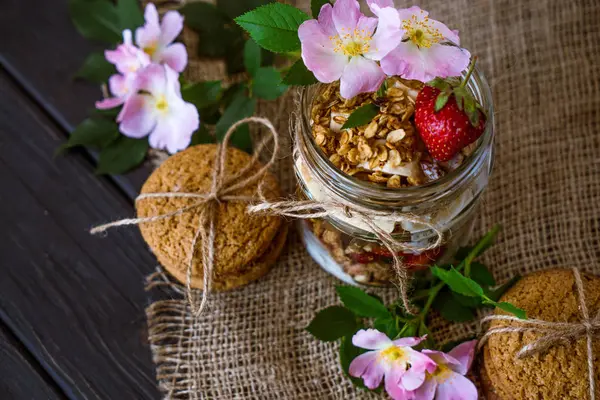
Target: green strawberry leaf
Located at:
point(299, 75)
point(96, 20)
point(333, 323)
point(274, 26)
point(361, 303)
point(96, 69)
point(441, 101)
point(122, 155)
point(267, 84)
point(440, 84)
point(458, 282)
point(361, 116)
point(252, 57)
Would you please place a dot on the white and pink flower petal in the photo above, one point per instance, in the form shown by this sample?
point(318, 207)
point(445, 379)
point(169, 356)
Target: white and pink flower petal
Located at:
point(393, 387)
point(456, 387)
point(137, 118)
point(170, 27)
point(441, 358)
point(346, 14)
point(110, 102)
point(376, 5)
point(175, 56)
point(325, 20)
point(371, 339)
point(464, 353)
point(318, 53)
point(360, 76)
point(427, 390)
point(360, 365)
point(387, 36)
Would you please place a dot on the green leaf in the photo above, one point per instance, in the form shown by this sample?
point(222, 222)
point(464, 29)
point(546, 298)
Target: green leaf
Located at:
point(440, 84)
point(361, 116)
point(267, 84)
point(410, 329)
point(451, 309)
point(509, 308)
point(202, 94)
point(299, 75)
point(315, 6)
point(497, 293)
point(274, 26)
point(210, 115)
point(235, 8)
point(360, 303)
point(333, 323)
point(252, 57)
point(235, 51)
point(482, 275)
point(130, 14)
point(471, 302)
point(110, 113)
point(202, 136)
point(240, 108)
point(96, 69)
point(423, 330)
point(349, 352)
point(441, 101)
point(203, 17)
point(386, 325)
point(94, 132)
point(458, 282)
point(382, 89)
point(233, 92)
point(96, 20)
point(122, 155)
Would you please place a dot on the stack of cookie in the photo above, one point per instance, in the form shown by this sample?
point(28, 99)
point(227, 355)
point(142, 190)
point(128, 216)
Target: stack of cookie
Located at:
point(559, 373)
point(246, 246)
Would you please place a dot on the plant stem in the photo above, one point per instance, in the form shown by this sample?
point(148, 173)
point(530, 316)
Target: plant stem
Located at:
point(469, 72)
point(485, 241)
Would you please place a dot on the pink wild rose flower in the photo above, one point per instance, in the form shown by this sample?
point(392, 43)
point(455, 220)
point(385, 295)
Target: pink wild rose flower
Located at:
point(404, 369)
point(345, 44)
point(156, 39)
point(158, 110)
point(423, 52)
point(448, 382)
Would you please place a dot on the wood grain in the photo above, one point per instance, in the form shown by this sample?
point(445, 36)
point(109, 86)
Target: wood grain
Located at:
point(21, 377)
point(75, 301)
point(41, 49)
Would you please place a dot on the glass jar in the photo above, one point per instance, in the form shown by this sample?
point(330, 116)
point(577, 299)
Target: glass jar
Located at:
point(346, 247)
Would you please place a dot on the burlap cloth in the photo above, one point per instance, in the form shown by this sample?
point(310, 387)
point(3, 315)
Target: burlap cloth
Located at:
point(542, 59)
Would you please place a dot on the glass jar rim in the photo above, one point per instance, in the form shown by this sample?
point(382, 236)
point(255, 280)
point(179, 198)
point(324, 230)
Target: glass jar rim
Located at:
point(478, 86)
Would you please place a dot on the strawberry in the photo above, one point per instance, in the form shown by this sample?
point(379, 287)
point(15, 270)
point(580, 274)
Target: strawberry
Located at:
point(447, 116)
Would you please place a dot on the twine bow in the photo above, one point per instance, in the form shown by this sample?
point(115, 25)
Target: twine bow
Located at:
point(223, 189)
point(308, 209)
point(553, 333)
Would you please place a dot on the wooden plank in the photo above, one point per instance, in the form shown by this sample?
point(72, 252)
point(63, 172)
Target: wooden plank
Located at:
point(22, 377)
point(75, 301)
point(42, 50)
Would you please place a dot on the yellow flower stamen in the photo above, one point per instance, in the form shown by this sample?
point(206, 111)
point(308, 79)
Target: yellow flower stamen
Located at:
point(421, 32)
point(162, 105)
point(441, 374)
point(150, 50)
point(352, 44)
point(392, 353)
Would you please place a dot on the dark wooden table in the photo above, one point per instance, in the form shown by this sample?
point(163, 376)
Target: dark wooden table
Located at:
point(72, 322)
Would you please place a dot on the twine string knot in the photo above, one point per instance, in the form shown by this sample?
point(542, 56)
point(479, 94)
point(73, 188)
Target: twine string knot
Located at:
point(553, 333)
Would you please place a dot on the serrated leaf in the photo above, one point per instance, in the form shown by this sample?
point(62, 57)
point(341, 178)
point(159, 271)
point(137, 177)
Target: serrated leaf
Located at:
point(203, 17)
point(471, 302)
point(333, 323)
point(130, 14)
point(497, 293)
point(96, 69)
point(122, 155)
point(482, 275)
point(96, 20)
point(202, 136)
point(235, 8)
point(252, 57)
point(451, 309)
point(316, 5)
point(441, 101)
point(512, 309)
point(274, 26)
point(299, 75)
point(267, 84)
point(202, 94)
point(361, 116)
point(95, 132)
point(360, 303)
point(240, 108)
point(457, 282)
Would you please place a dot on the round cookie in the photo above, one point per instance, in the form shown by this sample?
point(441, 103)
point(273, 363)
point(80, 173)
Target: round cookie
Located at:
point(557, 374)
point(243, 242)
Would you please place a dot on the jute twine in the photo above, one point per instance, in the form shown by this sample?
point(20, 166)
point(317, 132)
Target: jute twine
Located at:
point(553, 333)
point(223, 189)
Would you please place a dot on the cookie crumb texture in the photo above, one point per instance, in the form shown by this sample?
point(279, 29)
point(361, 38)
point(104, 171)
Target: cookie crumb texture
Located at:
point(241, 239)
point(560, 373)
